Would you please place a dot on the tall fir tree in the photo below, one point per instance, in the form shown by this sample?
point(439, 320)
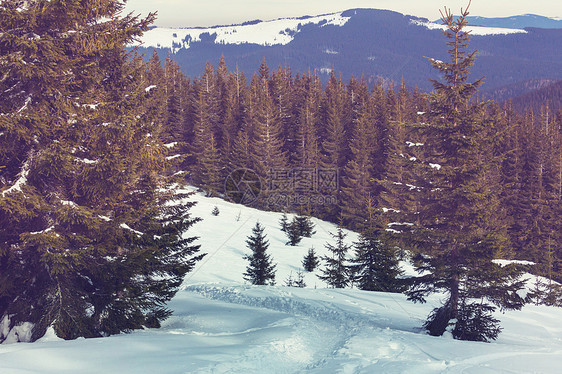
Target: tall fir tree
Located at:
point(206, 158)
point(357, 185)
point(92, 238)
point(267, 141)
point(336, 272)
point(307, 150)
point(260, 270)
point(458, 228)
point(336, 121)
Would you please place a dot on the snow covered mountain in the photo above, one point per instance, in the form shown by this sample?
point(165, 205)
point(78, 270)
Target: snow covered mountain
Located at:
point(277, 32)
point(269, 33)
point(223, 325)
point(373, 43)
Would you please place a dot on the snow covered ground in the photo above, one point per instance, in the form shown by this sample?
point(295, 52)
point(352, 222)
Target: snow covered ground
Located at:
point(222, 325)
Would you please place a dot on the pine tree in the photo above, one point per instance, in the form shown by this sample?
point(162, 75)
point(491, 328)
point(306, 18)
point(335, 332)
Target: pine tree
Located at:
point(206, 157)
point(333, 137)
point(293, 233)
point(177, 88)
point(310, 261)
point(376, 264)
point(210, 166)
point(284, 222)
point(305, 226)
point(92, 237)
point(298, 282)
point(267, 142)
point(336, 272)
point(459, 228)
point(261, 270)
point(240, 156)
point(336, 120)
point(358, 173)
point(307, 146)
point(282, 92)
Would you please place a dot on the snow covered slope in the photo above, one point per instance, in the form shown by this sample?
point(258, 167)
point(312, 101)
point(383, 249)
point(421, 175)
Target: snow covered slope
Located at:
point(474, 30)
point(277, 32)
point(222, 325)
point(269, 33)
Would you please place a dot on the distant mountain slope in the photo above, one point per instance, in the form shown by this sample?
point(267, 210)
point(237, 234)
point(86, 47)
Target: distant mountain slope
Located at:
point(504, 93)
point(374, 43)
point(517, 22)
point(551, 95)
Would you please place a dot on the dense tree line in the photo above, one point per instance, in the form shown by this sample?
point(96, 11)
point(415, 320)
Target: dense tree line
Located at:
point(550, 95)
point(370, 135)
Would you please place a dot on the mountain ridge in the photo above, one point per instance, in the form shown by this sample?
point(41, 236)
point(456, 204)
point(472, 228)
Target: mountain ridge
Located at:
point(519, 21)
point(361, 42)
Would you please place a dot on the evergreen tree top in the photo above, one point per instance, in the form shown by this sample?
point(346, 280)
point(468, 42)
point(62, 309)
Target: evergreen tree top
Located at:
point(455, 89)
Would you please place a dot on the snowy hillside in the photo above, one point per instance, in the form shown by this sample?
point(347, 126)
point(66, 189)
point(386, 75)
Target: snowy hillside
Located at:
point(222, 325)
point(473, 30)
point(269, 33)
point(277, 32)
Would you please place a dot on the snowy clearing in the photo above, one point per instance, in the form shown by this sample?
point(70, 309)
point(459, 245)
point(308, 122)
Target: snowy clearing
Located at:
point(222, 325)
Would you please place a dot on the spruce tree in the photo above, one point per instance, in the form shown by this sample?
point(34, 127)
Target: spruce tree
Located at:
point(283, 94)
point(310, 261)
point(267, 142)
point(260, 270)
point(459, 228)
point(307, 146)
point(336, 119)
point(205, 156)
point(376, 263)
point(299, 282)
point(293, 233)
point(240, 156)
point(357, 174)
point(336, 272)
point(92, 237)
point(305, 226)
point(284, 222)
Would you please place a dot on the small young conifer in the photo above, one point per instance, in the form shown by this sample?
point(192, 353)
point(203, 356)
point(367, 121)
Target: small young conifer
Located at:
point(293, 233)
point(336, 272)
point(260, 270)
point(310, 261)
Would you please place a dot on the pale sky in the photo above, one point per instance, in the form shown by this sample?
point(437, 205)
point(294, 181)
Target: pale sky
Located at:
point(184, 13)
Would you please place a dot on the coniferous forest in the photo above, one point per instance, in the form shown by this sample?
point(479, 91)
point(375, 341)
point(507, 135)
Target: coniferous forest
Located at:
point(94, 139)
